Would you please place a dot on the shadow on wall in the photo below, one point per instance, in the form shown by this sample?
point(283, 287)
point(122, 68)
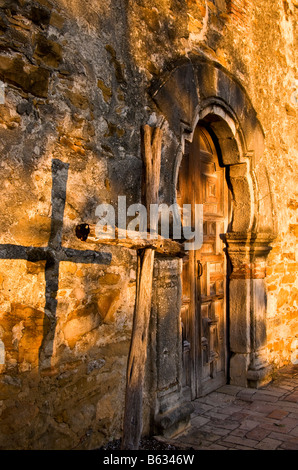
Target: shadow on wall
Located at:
point(53, 255)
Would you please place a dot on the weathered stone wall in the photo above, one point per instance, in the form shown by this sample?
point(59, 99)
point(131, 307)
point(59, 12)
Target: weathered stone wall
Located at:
point(66, 326)
point(77, 76)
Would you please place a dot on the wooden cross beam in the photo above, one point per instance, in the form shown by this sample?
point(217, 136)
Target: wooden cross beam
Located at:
point(131, 239)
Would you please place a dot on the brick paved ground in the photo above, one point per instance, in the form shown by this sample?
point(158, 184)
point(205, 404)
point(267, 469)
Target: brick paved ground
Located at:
point(248, 419)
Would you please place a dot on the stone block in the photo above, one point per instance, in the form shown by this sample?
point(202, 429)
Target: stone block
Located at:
point(40, 14)
point(294, 229)
point(34, 231)
point(174, 421)
point(30, 78)
point(80, 322)
point(57, 20)
point(106, 91)
point(238, 369)
point(240, 315)
point(109, 279)
point(207, 80)
point(178, 98)
point(47, 51)
point(23, 334)
point(9, 119)
point(282, 298)
point(259, 300)
point(78, 99)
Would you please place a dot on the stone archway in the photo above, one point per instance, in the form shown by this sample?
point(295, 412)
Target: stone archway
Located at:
point(199, 90)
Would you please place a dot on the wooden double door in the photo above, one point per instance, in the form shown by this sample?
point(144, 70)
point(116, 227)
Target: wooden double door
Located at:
point(204, 312)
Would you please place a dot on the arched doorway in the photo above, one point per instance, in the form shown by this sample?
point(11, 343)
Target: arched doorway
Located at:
point(200, 91)
point(202, 180)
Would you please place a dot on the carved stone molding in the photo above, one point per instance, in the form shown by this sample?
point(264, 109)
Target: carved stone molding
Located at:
point(248, 252)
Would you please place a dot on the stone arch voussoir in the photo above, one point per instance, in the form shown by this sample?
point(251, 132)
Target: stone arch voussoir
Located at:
point(203, 90)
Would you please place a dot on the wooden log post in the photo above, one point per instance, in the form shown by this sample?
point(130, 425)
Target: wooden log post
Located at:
point(133, 412)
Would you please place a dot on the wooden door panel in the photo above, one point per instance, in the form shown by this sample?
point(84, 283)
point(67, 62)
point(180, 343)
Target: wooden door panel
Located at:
point(186, 350)
point(204, 274)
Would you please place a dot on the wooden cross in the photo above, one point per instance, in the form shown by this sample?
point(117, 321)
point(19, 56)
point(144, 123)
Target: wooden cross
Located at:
point(53, 254)
point(133, 413)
